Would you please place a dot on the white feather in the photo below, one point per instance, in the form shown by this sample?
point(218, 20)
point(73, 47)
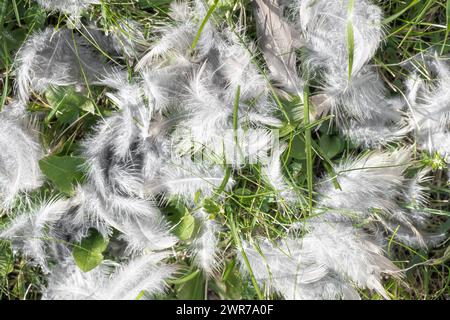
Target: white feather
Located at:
point(145, 273)
point(206, 243)
point(34, 231)
point(19, 158)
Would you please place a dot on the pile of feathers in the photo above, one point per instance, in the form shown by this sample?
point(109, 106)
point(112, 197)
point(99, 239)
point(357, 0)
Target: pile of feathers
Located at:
point(196, 92)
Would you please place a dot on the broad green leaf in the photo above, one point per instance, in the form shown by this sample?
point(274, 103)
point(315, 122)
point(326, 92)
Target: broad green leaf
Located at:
point(211, 206)
point(331, 145)
point(179, 216)
point(185, 227)
point(232, 281)
point(66, 104)
point(88, 254)
point(294, 110)
point(6, 259)
point(175, 211)
point(194, 289)
point(197, 196)
point(63, 171)
point(234, 286)
point(12, 40)
point(229, 286)
point(298, 148)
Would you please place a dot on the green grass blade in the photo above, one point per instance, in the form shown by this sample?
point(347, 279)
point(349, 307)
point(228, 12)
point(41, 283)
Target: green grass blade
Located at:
point(224, 183)
point(2, 15)
point(5, 90)
point(16, 12)
point(235, 114)
point(185, 278)
point(308, 147)
point(205, 20)
point(237, 240)
point(350, 37)
point(447, 31)
point(398, 14)
point(416, 20)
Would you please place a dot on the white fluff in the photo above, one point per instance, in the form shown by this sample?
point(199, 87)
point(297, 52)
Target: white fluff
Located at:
point(56, 58)
point(145, 273)
point(358, 100)
point(372, 181)
point(321, 264)
point(374, 189)
point(34, 231)
point(73, 8)
point(150, 232)
point(273, 174)
point(183, 179)
point(285, 268)
point(430, 105)
point(324, 25)
point(205, 245)
point(19, 158)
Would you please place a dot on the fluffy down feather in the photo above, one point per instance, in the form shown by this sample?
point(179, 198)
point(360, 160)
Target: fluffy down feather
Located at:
point(145, 273)
point(34, 232)
point(56, 58)
point(19, 158)
point(73, 8)
point(205, 245)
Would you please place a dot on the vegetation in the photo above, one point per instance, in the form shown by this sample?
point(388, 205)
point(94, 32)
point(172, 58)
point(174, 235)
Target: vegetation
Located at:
point(244, 206)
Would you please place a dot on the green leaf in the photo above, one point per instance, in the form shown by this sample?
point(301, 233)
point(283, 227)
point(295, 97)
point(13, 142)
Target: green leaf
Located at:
point(399, 13)
point(298, 148)
point(203, 24)
point(447, 31)
point(35, 16)
point(88, 254)
point(331, 145)
point(66, 104)
point(244, 195)
point(447, 11)
point(149, 4)
point(233, 281)
point(6, 259)
point(350, 37)
point(194, 289)
point(63, 171)
point(308, 150)
point(185, 278)
point(211, 206)
point(294, 110)
point(185, 227)
point(175, 212)
point(179, 215)
point(13, 39)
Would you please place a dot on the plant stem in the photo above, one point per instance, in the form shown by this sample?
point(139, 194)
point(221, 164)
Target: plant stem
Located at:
point(238, 243)
point(308, 146)
point(205, 20)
